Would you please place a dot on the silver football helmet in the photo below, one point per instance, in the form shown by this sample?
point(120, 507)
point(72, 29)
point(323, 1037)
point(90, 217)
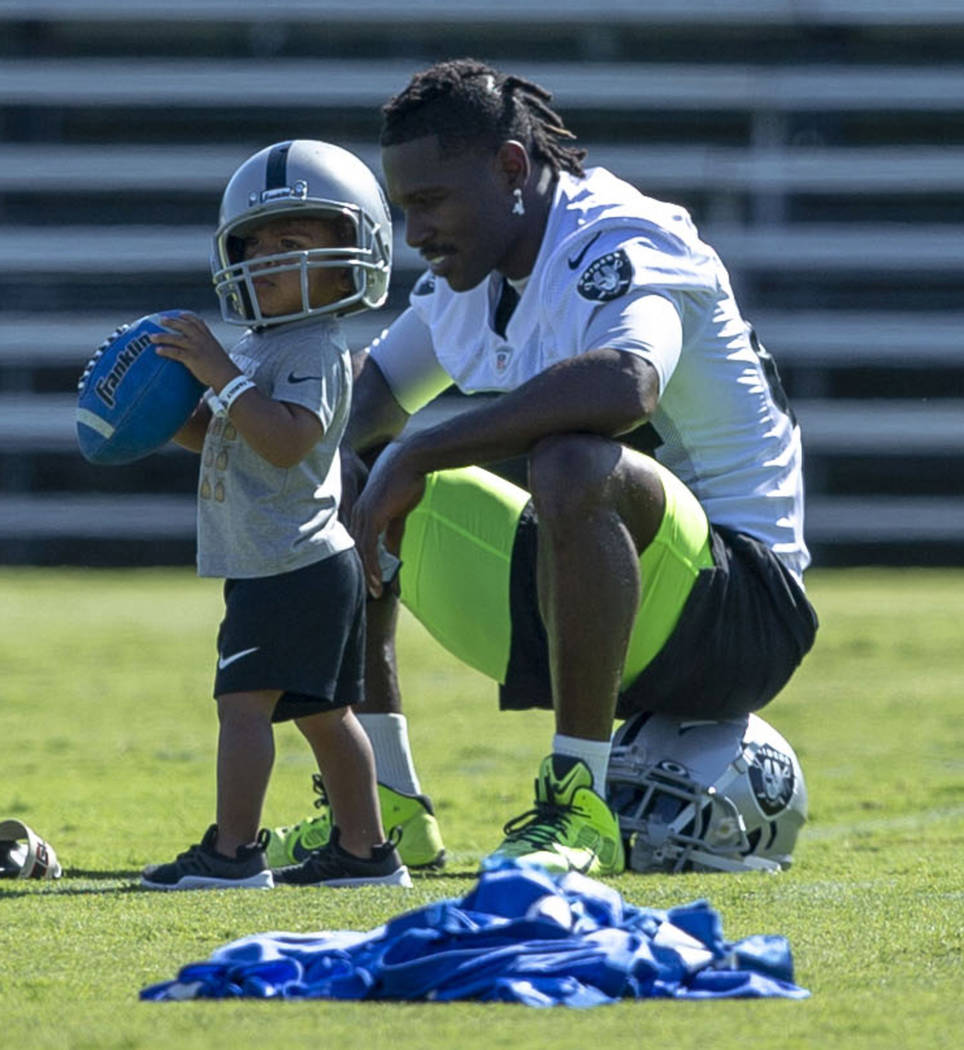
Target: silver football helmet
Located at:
point(705, 796)
point(303, 177)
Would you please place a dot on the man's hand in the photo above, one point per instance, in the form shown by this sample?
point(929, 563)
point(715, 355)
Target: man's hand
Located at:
point(394, 487)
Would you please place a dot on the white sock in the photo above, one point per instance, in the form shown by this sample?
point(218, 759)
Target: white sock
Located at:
point(595, 753)
point(393, 755)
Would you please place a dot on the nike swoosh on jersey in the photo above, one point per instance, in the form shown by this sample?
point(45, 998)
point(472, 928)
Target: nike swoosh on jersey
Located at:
point(574, 262)
point(292, 378)
point(226, 661)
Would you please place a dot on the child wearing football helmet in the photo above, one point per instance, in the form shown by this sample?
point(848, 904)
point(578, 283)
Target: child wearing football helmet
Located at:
point(304, 237)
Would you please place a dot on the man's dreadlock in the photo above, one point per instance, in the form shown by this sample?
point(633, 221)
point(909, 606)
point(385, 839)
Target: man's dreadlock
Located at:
point(467, 103)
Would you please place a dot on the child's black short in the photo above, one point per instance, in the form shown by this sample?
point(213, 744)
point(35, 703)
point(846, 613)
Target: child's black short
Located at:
point(301, 632)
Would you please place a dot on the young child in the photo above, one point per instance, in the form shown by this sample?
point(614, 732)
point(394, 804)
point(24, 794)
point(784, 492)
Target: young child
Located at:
point(304, 236)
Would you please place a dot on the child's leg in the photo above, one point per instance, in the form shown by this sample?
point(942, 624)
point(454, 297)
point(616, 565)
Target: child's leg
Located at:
point(245, 758)
point(345, 759)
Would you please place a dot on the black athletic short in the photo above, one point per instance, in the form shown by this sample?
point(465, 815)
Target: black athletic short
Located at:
point(301, 632)
point(744, 629)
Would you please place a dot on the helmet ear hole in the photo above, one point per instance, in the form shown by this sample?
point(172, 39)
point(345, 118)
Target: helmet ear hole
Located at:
point(235, 252)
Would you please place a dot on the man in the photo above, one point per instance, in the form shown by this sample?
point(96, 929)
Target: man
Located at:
point(663, 577)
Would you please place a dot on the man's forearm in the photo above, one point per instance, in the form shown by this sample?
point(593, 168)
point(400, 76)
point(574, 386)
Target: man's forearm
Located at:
point(376, 417)
point(602, 393)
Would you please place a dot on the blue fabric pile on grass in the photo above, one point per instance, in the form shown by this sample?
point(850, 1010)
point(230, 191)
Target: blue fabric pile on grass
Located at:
point(520, 935)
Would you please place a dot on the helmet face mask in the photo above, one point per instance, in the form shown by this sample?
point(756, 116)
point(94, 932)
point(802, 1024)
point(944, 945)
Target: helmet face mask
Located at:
point(705, 796)
point(295, 180)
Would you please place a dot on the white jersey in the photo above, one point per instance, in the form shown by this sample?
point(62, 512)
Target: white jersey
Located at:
point(723, 423)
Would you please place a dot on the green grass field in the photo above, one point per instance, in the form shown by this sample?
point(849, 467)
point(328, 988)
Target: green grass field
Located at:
point(108, 742)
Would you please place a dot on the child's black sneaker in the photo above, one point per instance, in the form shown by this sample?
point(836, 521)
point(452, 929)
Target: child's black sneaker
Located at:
point(331, 865)
point(202, 867)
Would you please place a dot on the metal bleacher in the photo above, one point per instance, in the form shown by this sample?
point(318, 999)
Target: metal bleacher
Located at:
point(819, 145)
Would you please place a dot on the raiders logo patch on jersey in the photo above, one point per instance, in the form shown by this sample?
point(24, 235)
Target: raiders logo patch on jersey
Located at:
point(772, 780)
point(607, 277)
point(425, 285)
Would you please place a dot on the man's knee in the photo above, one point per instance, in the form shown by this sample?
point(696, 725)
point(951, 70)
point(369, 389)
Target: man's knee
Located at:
point(570, 471)
point(573, 476)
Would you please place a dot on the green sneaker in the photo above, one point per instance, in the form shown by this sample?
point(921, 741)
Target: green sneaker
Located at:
point(294, 843)
point(413, 818)
point(570, 828)
point(419, 845)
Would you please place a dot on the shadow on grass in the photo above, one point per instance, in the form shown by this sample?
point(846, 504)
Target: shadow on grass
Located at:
point(59, 889)
point(64, 887)
point(430, 875)
point(82, 873)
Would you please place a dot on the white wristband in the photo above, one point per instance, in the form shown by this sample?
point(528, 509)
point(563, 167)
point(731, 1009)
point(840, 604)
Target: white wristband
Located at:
point(230, 393)
point(213, 402)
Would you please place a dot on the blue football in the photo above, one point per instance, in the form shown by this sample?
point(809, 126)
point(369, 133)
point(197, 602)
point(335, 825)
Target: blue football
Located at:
point(130, 401)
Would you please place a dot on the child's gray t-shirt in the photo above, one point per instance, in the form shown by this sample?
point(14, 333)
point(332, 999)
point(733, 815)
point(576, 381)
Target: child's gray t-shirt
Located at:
point(255, 519)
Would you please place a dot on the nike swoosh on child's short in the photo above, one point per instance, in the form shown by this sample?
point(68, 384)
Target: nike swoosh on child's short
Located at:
point(292, 378)
point(226, 661)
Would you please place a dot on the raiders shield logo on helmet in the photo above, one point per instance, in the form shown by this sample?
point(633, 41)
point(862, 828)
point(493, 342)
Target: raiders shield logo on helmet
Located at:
point(771, 777)
point(607, 277)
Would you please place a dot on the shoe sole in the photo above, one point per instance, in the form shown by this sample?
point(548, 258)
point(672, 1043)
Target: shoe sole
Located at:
point(301, 853)
point(397, 878)
point(262, 881)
